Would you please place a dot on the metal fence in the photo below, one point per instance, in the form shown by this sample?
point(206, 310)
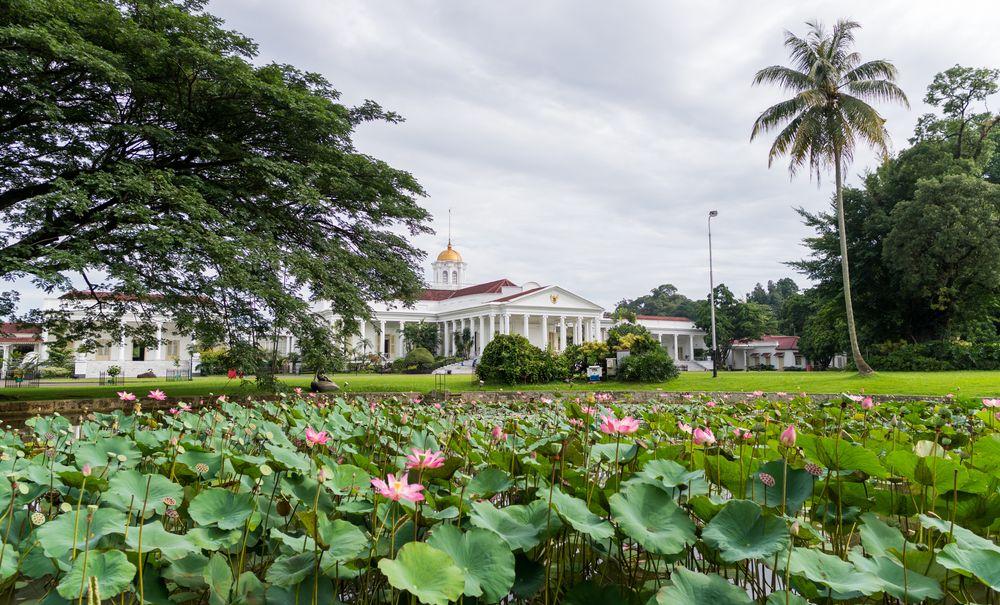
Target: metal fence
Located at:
point(178, 374)
point(104, 379)
point(15, 379)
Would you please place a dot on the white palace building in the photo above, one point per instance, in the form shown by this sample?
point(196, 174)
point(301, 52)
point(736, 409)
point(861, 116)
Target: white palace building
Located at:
point(550, 316)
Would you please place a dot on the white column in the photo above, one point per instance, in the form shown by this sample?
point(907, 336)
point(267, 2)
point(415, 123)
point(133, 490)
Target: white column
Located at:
point(399, 344)
point(525, 325)
point(691, 340)
point(121, 349)
point(447, 339)
point(481, 334)
point(159, 341)
point(381, 337)
point(562, 332)
point(490, 328)
point(676, 358)
point(6, 360)
point(545, 331)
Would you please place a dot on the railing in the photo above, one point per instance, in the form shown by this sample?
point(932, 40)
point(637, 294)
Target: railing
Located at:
point(178, 375)
point(104, 379)
point(15, 380)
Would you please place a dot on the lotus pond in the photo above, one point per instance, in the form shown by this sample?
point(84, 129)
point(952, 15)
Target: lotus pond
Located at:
point(581, 500)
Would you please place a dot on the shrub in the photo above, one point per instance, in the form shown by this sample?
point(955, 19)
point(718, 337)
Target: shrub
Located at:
point(511, 359)
point(651, 366)
point(936, 355)
point(56, 372)
point(419, 361)
point(616, 333)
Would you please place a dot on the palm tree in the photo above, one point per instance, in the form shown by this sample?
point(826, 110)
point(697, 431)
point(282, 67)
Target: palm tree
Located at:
point(829, 114)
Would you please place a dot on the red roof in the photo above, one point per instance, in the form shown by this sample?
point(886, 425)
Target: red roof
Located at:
point(663, 318)
point(519, 294)
point(16, 328)
point(490, 287)
point(20, 339)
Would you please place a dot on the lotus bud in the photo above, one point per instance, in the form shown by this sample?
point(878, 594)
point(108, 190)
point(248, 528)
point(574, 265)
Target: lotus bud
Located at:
point(87, 470)
point(788, 436)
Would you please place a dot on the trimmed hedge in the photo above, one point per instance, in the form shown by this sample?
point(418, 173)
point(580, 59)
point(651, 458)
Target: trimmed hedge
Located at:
point(937, 355)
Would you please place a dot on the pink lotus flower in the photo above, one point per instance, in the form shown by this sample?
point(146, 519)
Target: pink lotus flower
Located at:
point(126, 396)
point(588, 410)
point(788, 436)
point(991, 403)
point(398, 489)
point(854, 398)
point(781, 394)
point(611, 426)
point(498, 434)
point(757, 394)
point(684, 428)
point(867, 403)
point(86, 470)
point(184, 407)
point(576, 422)
point(173, 411)
point(709, 404)
point(702, 436)
point(314, 437)
point(421, 459)
point(437, 406)
point(158, 395)
point(297, 390)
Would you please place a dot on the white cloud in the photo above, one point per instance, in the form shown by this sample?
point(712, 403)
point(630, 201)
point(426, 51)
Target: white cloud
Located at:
point(584, 143)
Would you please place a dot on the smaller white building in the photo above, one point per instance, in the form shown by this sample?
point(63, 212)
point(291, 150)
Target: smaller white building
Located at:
point(19, 344)
point(175, 352)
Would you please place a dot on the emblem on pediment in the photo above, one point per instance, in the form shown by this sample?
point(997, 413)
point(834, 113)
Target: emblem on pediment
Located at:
point(554, 298)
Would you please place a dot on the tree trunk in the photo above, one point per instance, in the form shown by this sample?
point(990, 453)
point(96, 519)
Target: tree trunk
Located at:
point(863, 368)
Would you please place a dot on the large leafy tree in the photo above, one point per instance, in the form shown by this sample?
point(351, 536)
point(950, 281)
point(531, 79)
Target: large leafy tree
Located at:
point(661, 300)
point(734, 319)
point(826, 119)
point(920, 225)
point(145, 153)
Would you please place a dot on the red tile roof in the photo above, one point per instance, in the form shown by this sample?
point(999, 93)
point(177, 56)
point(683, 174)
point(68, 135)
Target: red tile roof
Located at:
point(490, 287)
point(663, 318)
point(16, 328)
point(20, 339)
point(510, 297)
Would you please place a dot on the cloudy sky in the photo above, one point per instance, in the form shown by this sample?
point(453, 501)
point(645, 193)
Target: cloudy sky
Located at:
point(584, 143)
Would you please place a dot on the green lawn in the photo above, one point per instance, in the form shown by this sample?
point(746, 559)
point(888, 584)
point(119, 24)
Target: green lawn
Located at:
point(971, 384)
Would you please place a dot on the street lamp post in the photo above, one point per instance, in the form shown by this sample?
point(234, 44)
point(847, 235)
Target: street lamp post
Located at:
point(711, 295)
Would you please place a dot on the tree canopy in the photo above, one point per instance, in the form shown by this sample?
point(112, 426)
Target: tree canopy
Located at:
point(144, 152)
point(661, 300)
point(921, 230)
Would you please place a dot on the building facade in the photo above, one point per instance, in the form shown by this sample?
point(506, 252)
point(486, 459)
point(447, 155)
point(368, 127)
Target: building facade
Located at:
point(550, 316)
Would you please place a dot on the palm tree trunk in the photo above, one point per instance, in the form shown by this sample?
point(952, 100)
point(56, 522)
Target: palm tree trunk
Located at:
point(863, 368)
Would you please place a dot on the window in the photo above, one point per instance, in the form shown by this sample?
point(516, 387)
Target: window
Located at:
point(138, 353)
point(102, 352)
point(444, 277)
point(173, 348)
point(798, 360)
point(454, 277)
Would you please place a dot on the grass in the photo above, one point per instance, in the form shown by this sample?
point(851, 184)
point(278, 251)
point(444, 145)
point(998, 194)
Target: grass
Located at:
point(969, 384)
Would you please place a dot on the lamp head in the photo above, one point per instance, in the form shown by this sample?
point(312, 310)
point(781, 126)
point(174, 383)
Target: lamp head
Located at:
point(713, 213)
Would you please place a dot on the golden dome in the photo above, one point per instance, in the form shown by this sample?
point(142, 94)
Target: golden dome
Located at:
point(450, 254)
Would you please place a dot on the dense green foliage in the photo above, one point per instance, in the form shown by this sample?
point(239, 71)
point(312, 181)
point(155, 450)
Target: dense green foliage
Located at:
point(654, 365)
point(143, 147)
point(921, 229)
point(419, 359)
point(421, 335)
point(512, 359)
point(734, 319)
point(662, 300)
point(937, 355)
point(529, 501)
